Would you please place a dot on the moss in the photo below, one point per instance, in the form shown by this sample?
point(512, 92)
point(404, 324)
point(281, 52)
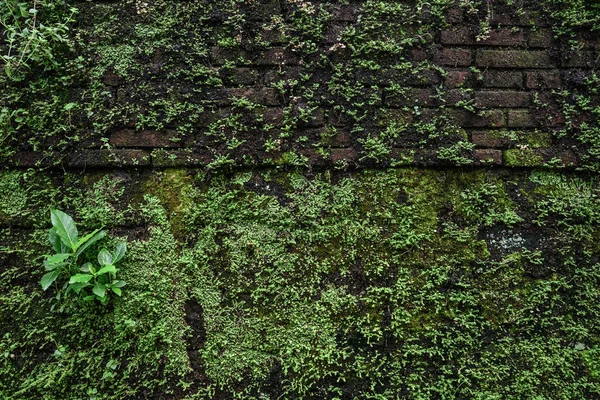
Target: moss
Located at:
point(523, 157)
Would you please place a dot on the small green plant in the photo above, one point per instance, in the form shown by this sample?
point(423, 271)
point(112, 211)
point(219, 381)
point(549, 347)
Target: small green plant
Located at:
point(70, 250)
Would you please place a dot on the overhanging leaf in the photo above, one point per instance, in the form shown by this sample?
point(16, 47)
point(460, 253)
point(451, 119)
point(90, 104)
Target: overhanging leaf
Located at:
point(55, 240)
point(107, 268)
point(99, 289)
point(80, 278)
point(89, 240)
point(65, 228)
point(119, 252)
point(104, 257)
point(49, 278)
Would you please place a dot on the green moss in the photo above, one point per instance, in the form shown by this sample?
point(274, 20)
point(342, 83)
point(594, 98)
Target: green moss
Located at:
point(522, 157)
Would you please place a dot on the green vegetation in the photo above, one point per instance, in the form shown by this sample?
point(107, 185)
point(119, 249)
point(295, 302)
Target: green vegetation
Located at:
point(285, 285)
point(68, 247)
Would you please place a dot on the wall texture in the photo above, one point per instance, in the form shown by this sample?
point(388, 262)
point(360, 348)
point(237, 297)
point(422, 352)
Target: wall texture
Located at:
point(321, 199)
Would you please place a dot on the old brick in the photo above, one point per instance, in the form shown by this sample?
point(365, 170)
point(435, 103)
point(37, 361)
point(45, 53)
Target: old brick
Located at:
point(289, 73)
point(453, 96)
point(541, 37)
point(502, 99)
point(112, 79)
point(413, 97)
point(455, 15)
point(484, 119)
point(33, 159)
point(456, 35)
point(263, 96)
point(333, 33)
point(221, 55)
point(503, 79)
point(543, 80)
point(467, 119)
point(347, 155)
point(109, 158)
point(583, 59)
point(341, 139)
point(263, 10)
point(489, 139)
point(454, 57)
point(273, 116)
point(277, 56)
point(347, 13)
point(521, 119)
point(274, 36)
point(178, 158)
point(487, 157)
point(504, 37)
point(419, 54)
point(521, 18)
point(242, 76)
point(457, 78)
point(147, 138)
point(513, 59)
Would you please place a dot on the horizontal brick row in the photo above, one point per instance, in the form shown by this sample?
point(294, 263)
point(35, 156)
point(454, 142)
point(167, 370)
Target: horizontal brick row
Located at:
point(336, 157)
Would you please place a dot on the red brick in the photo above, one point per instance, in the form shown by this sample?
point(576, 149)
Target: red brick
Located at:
point(487, 139)
point(131, 138)
point(456, 35)
point(521, 119)
point(514, 59)
point(263, 96)
point(453, 96)
point(543, 80)
point(413, 97)
point(109, 158)
point(277, 56)
point(503, 79)
point(178, 158)
point(344, 13)
point(487, 157)
point(466, 119)
point(502, 99)
point(343, 155)
point(221, 55)
point(504, 37)
point(242, 76)
point(455, 15)
point(419, 54)
point(341, 139)
point(583, 59)
point(457, 78)
point(453, 57)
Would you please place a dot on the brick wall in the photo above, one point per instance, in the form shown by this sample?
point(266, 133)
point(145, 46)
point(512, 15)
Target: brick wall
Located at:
point(495, 90)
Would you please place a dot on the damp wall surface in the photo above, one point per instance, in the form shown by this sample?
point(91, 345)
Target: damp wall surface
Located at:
point(321, 200)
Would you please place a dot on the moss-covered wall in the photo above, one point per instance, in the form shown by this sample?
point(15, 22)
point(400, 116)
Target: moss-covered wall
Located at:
point(380, 284)
point(321, 199)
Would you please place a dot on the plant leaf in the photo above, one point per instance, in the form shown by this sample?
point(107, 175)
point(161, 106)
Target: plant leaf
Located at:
point(99, 289)
point(104, 257)
point(57, 258)
point(76, 287)
point(55, 240)
point(65, 228)
point(89, 240)
point(56, 261)
point(80, 278)
point(49, 278)
point(118, 284)
point(116, 290)
point(85, 267)
point(107, 268)
point(120, 251)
